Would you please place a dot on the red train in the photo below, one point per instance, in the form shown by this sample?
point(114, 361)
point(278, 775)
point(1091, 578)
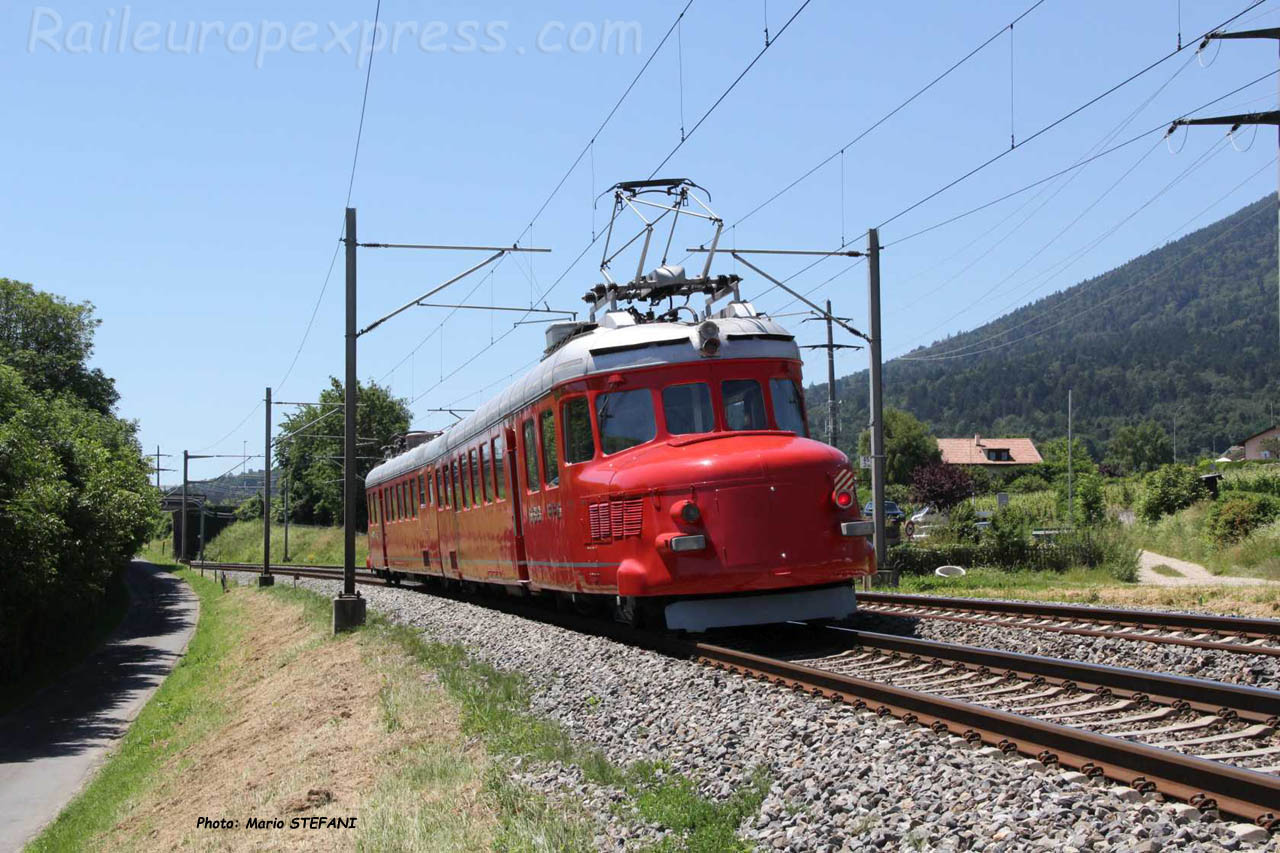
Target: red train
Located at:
point(662, 468)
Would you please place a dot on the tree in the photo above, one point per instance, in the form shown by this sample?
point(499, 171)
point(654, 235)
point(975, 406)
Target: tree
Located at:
point(309, 450)
point(1168, 490)
point(940, 484)
point(1054, 454)
point(907, 445)
point(49, 340)
point(1139, 449)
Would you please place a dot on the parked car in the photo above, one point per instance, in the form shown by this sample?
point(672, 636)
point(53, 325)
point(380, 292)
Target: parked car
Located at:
point(892, 512)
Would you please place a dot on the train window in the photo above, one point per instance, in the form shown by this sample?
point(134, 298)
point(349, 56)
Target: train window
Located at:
point(788, 406)
point(453, 484)
point(532, 482)
point(439, 491)
point(687, 408)
point(472, 477)
point(401, 502)
point(626, 419)
point(415, 495)
point(462, 482)
point(395, 501)
point(579, 445)
point(499, 475)
point(743, 404)
point(549, 454)
point(386, 505)
point(486, 490)
point(422, 490)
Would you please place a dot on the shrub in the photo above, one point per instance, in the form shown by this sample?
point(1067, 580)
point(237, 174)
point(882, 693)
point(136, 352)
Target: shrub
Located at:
point(942, 485)
point(1009, 533)
point(1090, 505)
point(1233, 518)
point(1027, 483)
point(962, 523)
point(1168, 490)
point(1260, 482)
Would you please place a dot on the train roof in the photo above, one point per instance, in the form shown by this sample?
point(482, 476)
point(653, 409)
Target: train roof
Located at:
point(617, 343)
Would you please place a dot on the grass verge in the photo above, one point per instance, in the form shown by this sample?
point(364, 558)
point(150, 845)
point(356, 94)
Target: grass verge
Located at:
point(241, 542)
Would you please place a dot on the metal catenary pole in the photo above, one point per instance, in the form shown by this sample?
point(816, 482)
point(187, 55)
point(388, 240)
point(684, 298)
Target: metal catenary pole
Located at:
point(349, 607)
point(831, 382)
point(202, 503)
point(265, 579)
point(1070, 472)
point(877, 395)
point(182, 549)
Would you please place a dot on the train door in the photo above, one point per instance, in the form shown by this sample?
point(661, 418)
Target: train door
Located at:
point(514, 495)
point(430, 541)
point(381, 525)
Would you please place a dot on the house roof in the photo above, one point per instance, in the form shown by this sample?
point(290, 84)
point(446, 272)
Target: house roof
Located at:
point(1264, 432)
point(973, 451)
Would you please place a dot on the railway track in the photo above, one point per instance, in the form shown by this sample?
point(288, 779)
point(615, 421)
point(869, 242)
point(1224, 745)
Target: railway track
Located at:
point(1195, 630)
point(1211, 744)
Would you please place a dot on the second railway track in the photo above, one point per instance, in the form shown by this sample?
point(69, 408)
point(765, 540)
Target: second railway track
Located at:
point(1242, 635)
point(1212, 744)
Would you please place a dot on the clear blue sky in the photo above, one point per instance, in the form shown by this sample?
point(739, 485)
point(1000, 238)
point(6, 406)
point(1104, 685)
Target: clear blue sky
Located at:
point(195, 195)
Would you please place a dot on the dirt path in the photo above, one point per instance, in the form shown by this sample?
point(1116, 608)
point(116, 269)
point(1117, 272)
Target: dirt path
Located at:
point(1187, 573)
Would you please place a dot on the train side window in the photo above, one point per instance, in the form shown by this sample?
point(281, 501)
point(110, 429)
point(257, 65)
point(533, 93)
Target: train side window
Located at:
point(395, 500)
point(422, 490)
point(688, 408)
point(499, 475)
point(531, 481)
point(415, 491)
point(439, 491)
point(486, 491)
point(626, 419)
point(386, 505)
point(464, 482)
point(453, 484)
point(549, 455)
point(579, 444)
point(788, 406)
point(404, 509)
point(472, 477)
point(743, 404)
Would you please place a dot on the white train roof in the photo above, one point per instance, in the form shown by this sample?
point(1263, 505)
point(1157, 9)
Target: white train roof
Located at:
point(618, 343)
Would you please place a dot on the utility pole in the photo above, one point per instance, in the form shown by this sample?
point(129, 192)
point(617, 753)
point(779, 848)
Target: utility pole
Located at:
point(182, 550)
point(265, 579)
point(1071, 503)
point(286, 518)
point(349, 607)
point(830, 346)
point(877, 395)
point(1236, 121)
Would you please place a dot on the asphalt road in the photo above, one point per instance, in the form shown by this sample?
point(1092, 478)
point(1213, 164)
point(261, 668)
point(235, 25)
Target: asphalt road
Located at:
point(50, 747)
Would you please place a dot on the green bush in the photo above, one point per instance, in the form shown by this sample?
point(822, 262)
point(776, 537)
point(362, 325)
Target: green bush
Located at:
point(962, 523)
point(1111, 548)
point(1263, 482)
point(1168, 490)
point(1233, 518)
point(1027, 483)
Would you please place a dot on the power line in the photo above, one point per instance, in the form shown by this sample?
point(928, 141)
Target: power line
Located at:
point(926, 87)
point(1046, 128)
point(768, 44)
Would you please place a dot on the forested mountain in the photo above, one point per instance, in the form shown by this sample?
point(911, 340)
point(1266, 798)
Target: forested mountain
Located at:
point(1188, 331)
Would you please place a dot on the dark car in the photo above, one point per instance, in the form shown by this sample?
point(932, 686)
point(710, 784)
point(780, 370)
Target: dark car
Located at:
point(892, 512)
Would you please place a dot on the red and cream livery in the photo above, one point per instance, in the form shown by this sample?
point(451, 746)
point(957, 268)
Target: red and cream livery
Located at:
point(658, 466)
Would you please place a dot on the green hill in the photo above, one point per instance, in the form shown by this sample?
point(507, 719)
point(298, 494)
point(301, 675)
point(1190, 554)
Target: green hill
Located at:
point(1187, 330)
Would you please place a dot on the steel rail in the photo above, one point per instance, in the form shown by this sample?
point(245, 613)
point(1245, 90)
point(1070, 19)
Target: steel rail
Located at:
point(1248, 703)
point(1206, 784)
point(987, 611)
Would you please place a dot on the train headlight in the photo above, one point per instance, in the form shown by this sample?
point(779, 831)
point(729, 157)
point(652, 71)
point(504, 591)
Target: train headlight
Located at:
point(843, 498)
point(686, 511)
point(709, 338)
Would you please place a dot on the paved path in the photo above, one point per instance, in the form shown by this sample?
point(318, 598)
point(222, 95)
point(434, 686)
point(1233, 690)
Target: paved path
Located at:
point(1192, 574)
point(50, 747)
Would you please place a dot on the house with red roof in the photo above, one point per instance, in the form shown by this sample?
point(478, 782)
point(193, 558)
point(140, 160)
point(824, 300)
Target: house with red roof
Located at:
point(989, 452)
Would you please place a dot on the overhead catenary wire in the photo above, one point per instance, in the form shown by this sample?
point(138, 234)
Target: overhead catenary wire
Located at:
point(1065, 117)
point(926, 87)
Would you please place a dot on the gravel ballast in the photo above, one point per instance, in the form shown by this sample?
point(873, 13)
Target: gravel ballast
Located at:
point(842, 780)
